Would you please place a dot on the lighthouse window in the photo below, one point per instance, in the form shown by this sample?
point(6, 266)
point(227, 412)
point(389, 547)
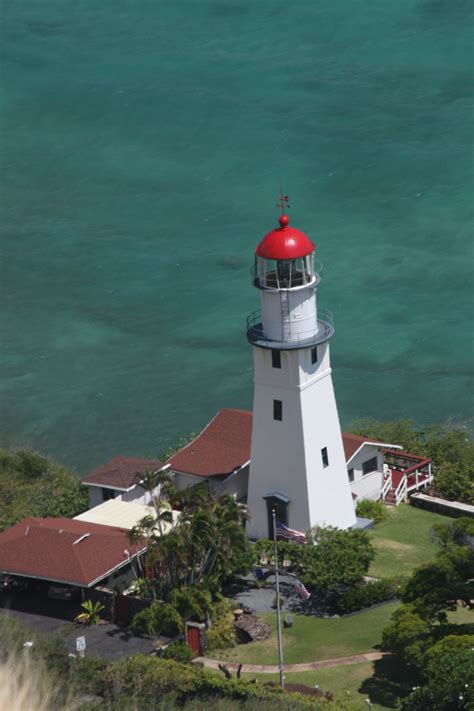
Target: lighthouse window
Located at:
point(324, 457)
point(369, 466)
point(277, 410)
point(314, 355)
point(276, 359)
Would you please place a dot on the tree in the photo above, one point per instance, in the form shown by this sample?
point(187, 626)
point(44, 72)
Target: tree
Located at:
point(436, 587)
point(333, 556)
point(449, 676)
point(408, 635)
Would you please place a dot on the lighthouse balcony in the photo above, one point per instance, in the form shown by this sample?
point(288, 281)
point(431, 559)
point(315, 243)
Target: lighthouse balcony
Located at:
point(290, 338)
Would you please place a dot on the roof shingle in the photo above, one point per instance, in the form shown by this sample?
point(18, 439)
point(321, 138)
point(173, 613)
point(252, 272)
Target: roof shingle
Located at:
point(121, 472)
point(64, 550)
point(222, 447)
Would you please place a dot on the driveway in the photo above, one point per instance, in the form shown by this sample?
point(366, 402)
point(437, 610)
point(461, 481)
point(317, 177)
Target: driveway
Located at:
point(105, 640)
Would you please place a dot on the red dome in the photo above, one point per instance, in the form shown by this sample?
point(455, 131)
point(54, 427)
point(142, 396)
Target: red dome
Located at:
point(285, 243)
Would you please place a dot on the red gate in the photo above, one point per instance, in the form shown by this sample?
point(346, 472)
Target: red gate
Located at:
point(194, 634)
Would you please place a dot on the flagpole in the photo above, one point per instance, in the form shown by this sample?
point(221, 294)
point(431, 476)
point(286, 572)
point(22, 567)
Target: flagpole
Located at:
point(277, 581)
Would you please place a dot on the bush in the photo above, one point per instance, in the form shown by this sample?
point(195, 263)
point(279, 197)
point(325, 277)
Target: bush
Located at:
point(357, 598)
point(159, 618)
point(371, 509)
point(222, 633)
point(179, 651)
point(192, 603)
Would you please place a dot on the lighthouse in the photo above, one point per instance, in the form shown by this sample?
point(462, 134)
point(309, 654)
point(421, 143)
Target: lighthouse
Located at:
point(297, 465)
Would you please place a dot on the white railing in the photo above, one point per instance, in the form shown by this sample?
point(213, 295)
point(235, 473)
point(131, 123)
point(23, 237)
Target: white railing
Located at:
point(401, 491)
point(387, 484)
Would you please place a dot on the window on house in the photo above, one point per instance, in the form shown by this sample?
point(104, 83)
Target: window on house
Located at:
point(107, 494)
point(369, 466)
point(350, 473)
point(314, 355)
point(276, 359)
point(324, 456)
point(277, 410)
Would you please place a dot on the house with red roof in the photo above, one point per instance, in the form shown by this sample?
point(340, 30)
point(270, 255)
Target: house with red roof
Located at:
point(66, 551)
point(120, 479)
point(220, 455)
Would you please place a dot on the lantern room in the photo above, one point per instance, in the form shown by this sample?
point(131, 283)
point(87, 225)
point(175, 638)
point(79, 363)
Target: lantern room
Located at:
point(284, 259)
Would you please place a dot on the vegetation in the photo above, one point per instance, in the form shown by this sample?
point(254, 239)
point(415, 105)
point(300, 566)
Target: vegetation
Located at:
point(450, 448)
point(205, 547)
point(340, 557)
point(91, 614)
point(46, 677)
point(32, 485)
point(372, 593)
point(179, 651)
point(372, 509)
point(436, 652)
point(313, 638)
point(404, 541)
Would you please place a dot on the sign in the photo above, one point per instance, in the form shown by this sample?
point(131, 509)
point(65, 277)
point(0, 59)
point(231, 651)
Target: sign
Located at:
point(81, 645)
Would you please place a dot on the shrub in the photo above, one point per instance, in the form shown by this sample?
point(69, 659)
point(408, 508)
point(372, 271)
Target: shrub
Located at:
point(222, 633)
point(357, 598)
point(159, 618)
point(192, 603)
point(371, 509)
point(179, 651)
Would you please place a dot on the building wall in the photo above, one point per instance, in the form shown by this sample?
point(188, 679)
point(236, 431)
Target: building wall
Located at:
point(286, 456)
point(235, 485)
point(138, 495)
point(367, 486)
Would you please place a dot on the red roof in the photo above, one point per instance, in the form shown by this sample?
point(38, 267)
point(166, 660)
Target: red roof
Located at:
point(222, 446)
point(353, 442)
point(285, 242)
point(64, 550)
point(121, 472)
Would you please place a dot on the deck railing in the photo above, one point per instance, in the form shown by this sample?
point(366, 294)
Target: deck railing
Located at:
point(387, 484)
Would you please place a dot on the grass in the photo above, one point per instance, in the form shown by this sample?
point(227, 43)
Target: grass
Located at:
point(345, 682)
point(403, 541)
point(313, 638)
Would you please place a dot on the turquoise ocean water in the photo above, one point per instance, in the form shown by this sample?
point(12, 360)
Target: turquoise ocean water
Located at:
point(143, 143)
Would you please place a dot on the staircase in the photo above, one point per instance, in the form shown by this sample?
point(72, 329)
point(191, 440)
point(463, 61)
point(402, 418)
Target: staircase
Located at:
point(285, 316)
point(397, 492)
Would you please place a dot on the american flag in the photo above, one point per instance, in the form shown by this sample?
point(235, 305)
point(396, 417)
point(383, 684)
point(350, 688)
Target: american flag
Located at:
point(289, 534)
point(299, 589)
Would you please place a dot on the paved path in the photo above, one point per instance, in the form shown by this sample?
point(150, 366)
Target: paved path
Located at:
point(305, 666)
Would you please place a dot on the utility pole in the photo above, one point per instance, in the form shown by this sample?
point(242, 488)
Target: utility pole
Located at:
point(277, 581)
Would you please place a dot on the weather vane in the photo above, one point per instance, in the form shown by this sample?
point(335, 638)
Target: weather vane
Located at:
point(283, 203)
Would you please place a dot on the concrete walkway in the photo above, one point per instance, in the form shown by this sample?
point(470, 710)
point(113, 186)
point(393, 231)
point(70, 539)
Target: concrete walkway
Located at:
point(305, 666)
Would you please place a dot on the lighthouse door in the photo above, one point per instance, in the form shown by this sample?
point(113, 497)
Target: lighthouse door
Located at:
point(281, 513)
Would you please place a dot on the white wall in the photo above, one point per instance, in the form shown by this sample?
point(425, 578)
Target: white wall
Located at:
point(234, 485)
point(368, 486)
point(286, 455)
point(302, 311)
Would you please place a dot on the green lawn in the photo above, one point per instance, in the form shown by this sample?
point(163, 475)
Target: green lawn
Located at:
point(313, 638)
point(344, 682)
point(403, 541)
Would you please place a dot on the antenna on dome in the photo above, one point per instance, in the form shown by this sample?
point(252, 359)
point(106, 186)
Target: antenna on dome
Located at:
point(283, 201)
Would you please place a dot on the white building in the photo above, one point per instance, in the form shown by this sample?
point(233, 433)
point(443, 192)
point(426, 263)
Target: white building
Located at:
point(120, 479)
point(297, 459)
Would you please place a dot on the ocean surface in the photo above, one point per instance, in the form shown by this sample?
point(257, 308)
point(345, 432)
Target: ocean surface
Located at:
point(142, 148)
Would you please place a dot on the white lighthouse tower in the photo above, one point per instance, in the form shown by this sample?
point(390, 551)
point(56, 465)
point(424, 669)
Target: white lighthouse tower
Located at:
point(297, 462)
